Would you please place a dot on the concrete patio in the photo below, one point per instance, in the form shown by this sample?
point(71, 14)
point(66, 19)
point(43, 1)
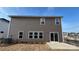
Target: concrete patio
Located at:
point(62, 46)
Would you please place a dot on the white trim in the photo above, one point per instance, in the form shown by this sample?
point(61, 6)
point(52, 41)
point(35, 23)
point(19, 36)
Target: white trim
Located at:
point(41, 20)
point(54, 35)
point(22, 35)
point(62, 31)
point(34, 35)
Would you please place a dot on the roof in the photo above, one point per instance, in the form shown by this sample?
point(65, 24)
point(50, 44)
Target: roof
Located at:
point(4, 19)
point(35, 16)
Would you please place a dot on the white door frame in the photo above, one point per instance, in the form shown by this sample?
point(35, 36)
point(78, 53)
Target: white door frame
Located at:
point(54, 35)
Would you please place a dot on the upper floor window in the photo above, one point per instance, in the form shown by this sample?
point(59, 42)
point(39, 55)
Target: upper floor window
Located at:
point(57, 21)
point(42, 21)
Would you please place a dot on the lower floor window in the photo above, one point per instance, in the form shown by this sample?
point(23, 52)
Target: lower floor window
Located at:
point(40, 36)
point(30, 36)
point(35, 35)
point(20, 35)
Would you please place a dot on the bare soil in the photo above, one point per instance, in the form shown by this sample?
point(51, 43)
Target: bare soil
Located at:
point(25, 47)
point(49, 46)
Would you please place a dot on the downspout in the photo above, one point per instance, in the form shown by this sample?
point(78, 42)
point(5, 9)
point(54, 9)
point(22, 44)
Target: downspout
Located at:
point(8, 29)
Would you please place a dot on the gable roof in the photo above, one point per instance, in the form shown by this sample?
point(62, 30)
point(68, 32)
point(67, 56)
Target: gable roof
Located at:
point(4, 20)
point(34, 16)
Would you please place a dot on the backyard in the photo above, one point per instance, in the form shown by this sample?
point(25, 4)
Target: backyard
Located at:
point(50, 46)
point(25, 47)
point(68, 44)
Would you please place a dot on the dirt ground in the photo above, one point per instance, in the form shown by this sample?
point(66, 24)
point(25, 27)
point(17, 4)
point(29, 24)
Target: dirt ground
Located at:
point(25, 47)
point(50, 46)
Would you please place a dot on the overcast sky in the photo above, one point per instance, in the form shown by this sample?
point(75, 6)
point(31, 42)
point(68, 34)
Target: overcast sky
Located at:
point(70, 21)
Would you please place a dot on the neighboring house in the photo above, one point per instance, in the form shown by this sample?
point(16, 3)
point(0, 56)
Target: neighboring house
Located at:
point(4, 28)
point(36, 28)
point(72, 34)
point(65, 34)
point(78, 35)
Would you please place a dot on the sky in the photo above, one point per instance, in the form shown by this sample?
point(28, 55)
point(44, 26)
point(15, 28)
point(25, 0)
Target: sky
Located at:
point(70, 20)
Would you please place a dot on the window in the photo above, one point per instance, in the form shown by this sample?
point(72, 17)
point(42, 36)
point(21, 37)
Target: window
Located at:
point(40, 35)
point(20, 35)
point(42, 21)
point(57, 21)
point(30, 35)
point(1, 31)
point(35, 35)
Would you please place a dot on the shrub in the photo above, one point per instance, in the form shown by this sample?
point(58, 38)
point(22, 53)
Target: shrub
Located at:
point(1, 40)
point(7, 40)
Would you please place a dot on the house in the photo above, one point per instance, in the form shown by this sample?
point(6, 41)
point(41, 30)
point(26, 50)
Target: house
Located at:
point(4, 28)
point(65, 34)
point(36, 28)
point(72, 34)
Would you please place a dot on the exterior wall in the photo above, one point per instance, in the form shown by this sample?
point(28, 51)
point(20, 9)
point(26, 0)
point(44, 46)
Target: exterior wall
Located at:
point(27, 24)
point(4, 27)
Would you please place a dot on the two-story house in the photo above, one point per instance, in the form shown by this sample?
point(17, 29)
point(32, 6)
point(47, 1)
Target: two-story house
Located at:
point(36, 28)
